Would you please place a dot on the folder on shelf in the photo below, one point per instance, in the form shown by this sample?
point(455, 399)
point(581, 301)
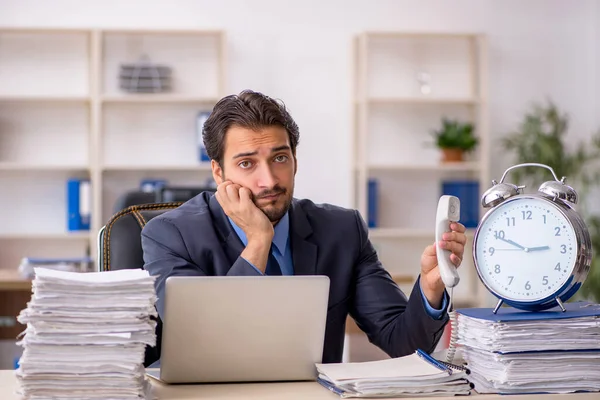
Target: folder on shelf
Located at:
point(200, 121)
point(79, 207)
point(468, 193)
point(373, 203)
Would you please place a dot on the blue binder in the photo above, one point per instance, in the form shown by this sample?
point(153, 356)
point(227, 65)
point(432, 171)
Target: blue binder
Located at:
point(468, 193)
point(372, 203)
point(79, 204)
point(577, 309)
point(200, 120)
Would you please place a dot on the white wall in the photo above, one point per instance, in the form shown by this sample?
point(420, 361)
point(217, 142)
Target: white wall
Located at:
point(300, 51)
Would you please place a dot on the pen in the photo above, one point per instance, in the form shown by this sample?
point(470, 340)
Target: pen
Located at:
point(433, 361)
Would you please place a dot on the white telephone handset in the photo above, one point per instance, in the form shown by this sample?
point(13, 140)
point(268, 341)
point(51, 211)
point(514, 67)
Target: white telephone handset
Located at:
point(448, 211)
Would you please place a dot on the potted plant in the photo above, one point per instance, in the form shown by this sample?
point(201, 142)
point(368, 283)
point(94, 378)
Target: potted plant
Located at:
point(541, 139)
point(455, 138)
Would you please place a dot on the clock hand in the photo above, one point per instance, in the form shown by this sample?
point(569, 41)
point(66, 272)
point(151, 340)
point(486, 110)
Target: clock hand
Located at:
point(507, 249)
point(513, 243)
point(538, 248)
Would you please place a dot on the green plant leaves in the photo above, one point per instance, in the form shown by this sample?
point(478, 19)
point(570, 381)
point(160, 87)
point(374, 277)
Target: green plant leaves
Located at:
point(455, 134)
point(541, 139)
point(591, 287)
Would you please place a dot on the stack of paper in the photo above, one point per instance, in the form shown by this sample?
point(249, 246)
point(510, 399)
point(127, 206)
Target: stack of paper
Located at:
point(415, 375)
point(86, 335)
point(517, 351)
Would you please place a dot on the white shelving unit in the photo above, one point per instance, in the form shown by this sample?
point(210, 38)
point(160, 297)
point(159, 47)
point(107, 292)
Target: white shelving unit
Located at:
point(63, 115)
point(393, 121)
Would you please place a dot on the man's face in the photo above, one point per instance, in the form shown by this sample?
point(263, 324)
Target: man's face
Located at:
point(261, 161)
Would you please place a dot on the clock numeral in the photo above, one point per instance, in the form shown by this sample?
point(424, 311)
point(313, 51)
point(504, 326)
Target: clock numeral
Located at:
point(492, 250)
point(543, 216)
point(497, 268)
point(526, 214)
point(499, 234)
point(527, 286)
point(563, 248)
point(545, 280)
point(556, 231)
point(511, 279)
point(509, 220)
point(557, 268)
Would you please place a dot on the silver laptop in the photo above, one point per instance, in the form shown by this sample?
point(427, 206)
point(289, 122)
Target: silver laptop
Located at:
point(243, 329)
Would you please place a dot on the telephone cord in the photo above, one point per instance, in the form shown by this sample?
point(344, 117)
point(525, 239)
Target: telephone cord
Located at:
point(453, 330)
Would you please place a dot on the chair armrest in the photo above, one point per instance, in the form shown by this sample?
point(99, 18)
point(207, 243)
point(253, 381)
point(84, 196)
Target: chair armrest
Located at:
point(101, 248)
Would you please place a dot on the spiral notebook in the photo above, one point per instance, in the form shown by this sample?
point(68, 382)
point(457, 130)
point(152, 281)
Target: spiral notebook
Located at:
point(417, 374)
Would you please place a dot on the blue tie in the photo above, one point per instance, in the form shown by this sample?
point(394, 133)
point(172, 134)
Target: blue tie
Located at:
point(273, 267)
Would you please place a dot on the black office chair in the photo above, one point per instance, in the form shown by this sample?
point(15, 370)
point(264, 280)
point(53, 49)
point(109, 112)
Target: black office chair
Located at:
point(162, 194)
point(120, 247)
point(133, 198)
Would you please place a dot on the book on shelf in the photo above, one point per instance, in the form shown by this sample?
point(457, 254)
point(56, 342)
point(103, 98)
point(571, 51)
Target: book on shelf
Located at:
point(79, 204)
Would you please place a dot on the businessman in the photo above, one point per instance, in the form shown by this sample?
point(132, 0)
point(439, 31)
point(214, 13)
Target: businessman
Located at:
point(252, 225)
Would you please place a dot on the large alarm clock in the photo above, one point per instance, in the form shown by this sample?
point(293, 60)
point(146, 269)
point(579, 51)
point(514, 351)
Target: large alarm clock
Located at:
point(532, 251)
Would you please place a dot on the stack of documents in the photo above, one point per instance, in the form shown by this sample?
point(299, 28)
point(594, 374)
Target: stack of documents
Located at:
point(517, 351)
point(411, 376)
point(86, 335)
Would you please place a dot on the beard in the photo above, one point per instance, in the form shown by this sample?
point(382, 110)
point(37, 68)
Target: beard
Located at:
point(276, 209)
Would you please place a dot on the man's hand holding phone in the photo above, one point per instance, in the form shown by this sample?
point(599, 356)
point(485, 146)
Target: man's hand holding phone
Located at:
point(237, 204)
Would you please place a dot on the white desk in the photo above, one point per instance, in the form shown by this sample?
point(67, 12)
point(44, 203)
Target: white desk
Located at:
point(272, 391)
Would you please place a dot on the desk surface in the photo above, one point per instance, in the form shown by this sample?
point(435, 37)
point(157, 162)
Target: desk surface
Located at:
point(270, 391)
point(12, 280)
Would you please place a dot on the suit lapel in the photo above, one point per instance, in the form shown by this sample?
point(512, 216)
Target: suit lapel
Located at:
point(304, 253)
point(232, 244)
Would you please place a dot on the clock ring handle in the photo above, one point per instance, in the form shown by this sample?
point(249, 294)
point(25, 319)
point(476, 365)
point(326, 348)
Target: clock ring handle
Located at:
point(529, 165)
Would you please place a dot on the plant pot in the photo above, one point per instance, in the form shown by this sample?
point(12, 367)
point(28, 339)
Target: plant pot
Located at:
point(452, 155)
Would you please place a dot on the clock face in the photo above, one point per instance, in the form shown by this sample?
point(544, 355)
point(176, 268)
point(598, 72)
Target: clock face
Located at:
point(525, 249)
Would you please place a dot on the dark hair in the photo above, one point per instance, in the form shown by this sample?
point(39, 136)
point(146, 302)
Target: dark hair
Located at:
point(249, 109)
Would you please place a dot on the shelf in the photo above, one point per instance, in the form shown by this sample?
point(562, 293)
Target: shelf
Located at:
point(12, 280)
point(406, 83)
point(43, 99)
point(400, 233)
point(136, 31)
point(142, 168)
point(10, 166)
point(74, 121)
point(464, 301)
point(458, 166)
point(421, 35)
point(422, 100)
point(86, 235)
point(407, 233)
point(42, 30)
point(158, 98)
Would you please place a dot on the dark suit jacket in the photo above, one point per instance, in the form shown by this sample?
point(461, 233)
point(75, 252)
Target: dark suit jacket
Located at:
point(197, 239)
